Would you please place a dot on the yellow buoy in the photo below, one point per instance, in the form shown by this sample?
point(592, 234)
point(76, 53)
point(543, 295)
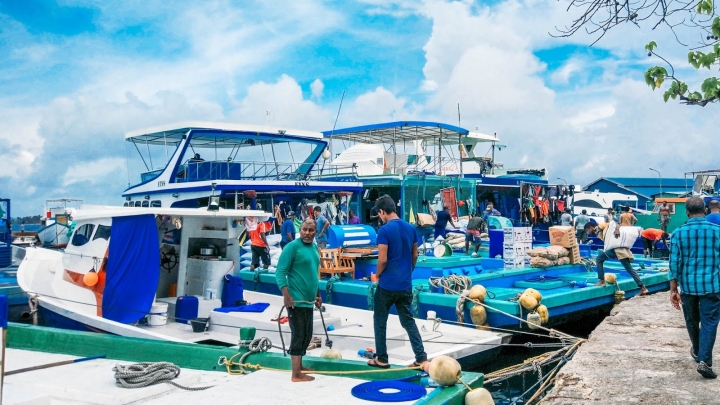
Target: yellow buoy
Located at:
point(484, 326)
point(535, 293)
point(331, 354)
point(478, 292)
point(479, 396)
point(534, 320)
point(619, 297)
point(611, 278)
point(528, 301)
point(543, 312)
point(444, 370)
point(478, 314)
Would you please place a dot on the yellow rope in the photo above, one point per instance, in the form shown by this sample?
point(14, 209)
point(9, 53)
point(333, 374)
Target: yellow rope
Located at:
point(229, 363)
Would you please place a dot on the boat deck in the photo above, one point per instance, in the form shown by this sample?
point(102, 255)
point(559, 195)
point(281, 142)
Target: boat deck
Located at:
point(92, 382)
point(353, 331)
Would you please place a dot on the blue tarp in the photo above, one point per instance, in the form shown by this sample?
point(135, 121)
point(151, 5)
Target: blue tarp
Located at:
point(132, 268)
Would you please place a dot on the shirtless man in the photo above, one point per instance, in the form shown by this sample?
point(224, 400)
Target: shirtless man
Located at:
point(664, 216)
point(627, 218)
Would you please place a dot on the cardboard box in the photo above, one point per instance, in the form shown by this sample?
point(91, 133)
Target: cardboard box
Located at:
point(562, 236)
point(509, 235)
point(425, 219)
point(509, 263)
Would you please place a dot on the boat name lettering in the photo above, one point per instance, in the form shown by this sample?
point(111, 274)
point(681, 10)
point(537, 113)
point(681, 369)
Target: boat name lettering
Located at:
point(302, 184)
point(161, 183)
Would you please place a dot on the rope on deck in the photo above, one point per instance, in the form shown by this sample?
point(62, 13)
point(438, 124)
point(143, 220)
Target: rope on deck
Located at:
point(140, 375)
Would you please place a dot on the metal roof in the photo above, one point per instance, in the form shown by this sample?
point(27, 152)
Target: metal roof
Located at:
point(646, 186)
point(173, 133)
point(405, 131)
point(650, 181)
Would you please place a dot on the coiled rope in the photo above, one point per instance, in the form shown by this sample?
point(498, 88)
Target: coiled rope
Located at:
point(416, 299)
point(140, 375)
point(256, 277)
point(329, 288)
point(371, 296)
point(258, 345)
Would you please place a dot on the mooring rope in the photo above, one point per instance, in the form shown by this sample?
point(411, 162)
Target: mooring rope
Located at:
point(140, 375)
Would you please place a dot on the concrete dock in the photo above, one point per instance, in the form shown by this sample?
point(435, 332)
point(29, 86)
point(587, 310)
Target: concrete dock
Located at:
point(640, 354)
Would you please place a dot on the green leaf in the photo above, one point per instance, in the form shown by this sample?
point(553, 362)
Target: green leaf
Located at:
point(667, 95)
point(650, 46)
point(715, 27)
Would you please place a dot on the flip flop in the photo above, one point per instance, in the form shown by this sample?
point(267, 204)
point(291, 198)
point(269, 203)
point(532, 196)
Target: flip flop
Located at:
point(374, 363)
point(416, 364)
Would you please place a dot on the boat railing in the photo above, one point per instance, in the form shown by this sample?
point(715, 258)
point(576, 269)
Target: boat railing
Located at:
point(253, 170)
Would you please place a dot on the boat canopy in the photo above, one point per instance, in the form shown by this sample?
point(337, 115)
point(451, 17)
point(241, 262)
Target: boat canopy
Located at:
point(220, 135)
point(431, 133)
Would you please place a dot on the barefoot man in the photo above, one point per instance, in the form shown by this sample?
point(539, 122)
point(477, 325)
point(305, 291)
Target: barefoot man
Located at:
point(297, 278)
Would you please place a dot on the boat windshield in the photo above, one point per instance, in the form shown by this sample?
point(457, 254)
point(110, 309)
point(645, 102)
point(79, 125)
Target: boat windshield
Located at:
point(212, 154)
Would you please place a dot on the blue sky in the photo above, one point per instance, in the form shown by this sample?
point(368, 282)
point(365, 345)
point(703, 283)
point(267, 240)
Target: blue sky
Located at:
point(75, 75)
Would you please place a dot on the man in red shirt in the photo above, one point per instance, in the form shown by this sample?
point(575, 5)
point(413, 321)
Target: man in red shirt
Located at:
point(650, 237)
point(259, 247)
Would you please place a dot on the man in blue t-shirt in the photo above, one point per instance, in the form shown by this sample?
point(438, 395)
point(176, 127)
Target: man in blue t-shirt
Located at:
point(322, 226)
point(442, 218)
point(714, 215)
point(287, 230)
point(397, 254)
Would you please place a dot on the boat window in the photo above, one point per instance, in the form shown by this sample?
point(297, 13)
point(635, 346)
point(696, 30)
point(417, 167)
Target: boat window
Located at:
point(587, 204)
point(137, 203)
point(156, 203)
point(126, 204)
point(103, 232)
point(82, 235)
point(145, 203)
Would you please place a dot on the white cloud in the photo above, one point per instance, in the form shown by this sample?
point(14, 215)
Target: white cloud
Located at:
point(285, 103)
point(93, 172)
point(562, 75)
point(591, 118)
point(316, 87)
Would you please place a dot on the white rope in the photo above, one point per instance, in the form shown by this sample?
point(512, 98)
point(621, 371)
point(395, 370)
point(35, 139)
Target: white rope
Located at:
point(140, 375)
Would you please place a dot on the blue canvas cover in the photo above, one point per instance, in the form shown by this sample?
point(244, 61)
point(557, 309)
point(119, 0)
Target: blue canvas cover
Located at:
point(132, 268)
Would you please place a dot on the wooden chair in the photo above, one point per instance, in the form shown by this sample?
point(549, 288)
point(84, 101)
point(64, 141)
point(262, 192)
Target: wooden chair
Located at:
point(333, 262)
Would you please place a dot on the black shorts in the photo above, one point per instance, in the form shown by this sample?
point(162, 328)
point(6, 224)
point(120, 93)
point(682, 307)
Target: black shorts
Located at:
point(648, 243)
point(259, 253)
point(301, 326)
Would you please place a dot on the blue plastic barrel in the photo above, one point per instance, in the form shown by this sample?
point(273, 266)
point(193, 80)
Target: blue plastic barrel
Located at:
point(351, 235)
point(497, 238)
point(186, 307)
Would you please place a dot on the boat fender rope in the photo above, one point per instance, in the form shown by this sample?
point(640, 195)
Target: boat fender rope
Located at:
point(416, 299)
point(140, 375)
point(33, 304)
point(371, 296)
point(256, 277)
point(329, 288)
point(460, 306)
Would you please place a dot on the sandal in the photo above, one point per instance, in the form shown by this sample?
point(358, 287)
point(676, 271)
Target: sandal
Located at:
point(374, 363)
point(416, 364)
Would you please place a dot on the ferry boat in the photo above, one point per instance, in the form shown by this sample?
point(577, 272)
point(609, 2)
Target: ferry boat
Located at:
point(111, 278)
point(245, 166)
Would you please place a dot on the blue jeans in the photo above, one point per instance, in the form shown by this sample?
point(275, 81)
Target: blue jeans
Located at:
point(702, 314)
point(384, 299)
point(610, 254)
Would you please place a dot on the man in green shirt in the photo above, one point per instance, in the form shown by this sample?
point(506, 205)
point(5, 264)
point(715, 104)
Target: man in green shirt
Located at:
point(297, 278)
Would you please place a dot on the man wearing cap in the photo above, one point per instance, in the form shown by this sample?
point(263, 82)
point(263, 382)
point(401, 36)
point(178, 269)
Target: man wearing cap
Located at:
point(490, 211)
point(288, 229)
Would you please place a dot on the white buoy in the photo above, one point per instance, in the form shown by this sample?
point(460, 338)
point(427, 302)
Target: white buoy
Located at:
point(479, 396)
point(444, 370)
point(331, 354)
